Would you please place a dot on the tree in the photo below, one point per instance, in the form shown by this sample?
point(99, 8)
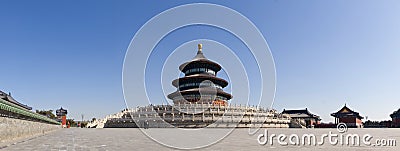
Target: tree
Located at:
point(47, 113)
point(83, 124)
point(72, 122)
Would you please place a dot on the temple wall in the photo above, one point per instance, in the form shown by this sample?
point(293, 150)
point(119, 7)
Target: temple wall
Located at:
point(12, 129)
point(347, 120)
point(351, 121)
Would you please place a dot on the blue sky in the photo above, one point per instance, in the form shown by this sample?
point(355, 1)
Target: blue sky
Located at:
point(70, 54)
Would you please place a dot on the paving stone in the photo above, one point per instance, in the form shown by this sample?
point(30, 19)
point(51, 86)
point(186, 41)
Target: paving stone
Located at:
point(77, 139)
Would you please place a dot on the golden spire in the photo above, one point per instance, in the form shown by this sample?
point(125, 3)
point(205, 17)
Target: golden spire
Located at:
point(199, 46)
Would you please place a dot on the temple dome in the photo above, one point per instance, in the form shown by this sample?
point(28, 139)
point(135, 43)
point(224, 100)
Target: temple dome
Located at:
point(200, 71)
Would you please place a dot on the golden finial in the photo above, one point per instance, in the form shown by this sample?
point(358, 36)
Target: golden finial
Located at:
point(199, 46)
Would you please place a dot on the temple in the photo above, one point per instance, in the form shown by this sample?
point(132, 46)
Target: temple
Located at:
point(62, 116)
point(200, 83)
point(349, 117)
point(199, 101)
point(395, 118)
point(302, 118)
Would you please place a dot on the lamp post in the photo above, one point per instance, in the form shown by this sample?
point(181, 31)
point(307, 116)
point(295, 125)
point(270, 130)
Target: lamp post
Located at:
point(82, 121)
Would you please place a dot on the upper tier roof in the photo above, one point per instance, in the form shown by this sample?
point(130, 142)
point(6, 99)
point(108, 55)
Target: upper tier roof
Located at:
point(9, 98)
point(346, 112)
point(199, 78)
point(301, 113)
point(395, 114)
point(199, 60)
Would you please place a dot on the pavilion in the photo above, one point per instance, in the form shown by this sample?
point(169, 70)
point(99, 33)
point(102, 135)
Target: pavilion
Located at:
point(395, 118)
point(349, 117)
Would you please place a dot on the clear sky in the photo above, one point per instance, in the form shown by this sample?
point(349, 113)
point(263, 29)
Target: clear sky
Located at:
point(70, 53)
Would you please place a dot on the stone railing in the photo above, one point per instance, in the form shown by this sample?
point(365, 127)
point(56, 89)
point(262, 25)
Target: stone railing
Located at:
point(199, 115)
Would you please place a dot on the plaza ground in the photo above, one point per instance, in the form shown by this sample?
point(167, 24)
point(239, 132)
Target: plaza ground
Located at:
point(133, 139)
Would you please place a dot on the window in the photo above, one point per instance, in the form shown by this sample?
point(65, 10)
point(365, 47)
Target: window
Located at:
point(200, 70)
point(200, 84)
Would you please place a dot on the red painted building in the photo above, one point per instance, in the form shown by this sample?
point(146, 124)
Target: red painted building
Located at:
point(303, 116)
point(395, 118)
point(62, 116)
point(349, 117)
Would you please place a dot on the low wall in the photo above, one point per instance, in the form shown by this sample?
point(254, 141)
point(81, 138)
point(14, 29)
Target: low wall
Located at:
point(12, 129)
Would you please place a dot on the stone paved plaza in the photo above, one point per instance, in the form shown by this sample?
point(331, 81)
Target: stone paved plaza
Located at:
point(133, 139)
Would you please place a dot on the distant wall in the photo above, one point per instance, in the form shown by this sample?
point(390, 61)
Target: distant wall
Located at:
point(11, 129)
point(396, 122)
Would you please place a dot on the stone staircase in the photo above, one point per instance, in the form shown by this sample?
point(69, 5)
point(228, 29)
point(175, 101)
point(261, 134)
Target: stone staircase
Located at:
point(297, 123)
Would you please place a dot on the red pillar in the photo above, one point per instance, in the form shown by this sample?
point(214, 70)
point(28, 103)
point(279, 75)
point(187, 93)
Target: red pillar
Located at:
point(64, 121)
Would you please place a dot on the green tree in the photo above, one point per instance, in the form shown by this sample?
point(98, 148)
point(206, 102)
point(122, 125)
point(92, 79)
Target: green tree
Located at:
point(47, 113)
point(71, 122)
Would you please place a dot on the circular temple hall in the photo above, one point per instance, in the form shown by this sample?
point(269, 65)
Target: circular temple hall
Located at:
point(200, 83)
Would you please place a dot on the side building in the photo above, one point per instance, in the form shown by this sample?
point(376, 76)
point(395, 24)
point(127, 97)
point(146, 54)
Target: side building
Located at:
point(349, 117)
point(18, 121)
point(302, 118)
point(395, 118)
point(11, 108)
point(9, 98)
